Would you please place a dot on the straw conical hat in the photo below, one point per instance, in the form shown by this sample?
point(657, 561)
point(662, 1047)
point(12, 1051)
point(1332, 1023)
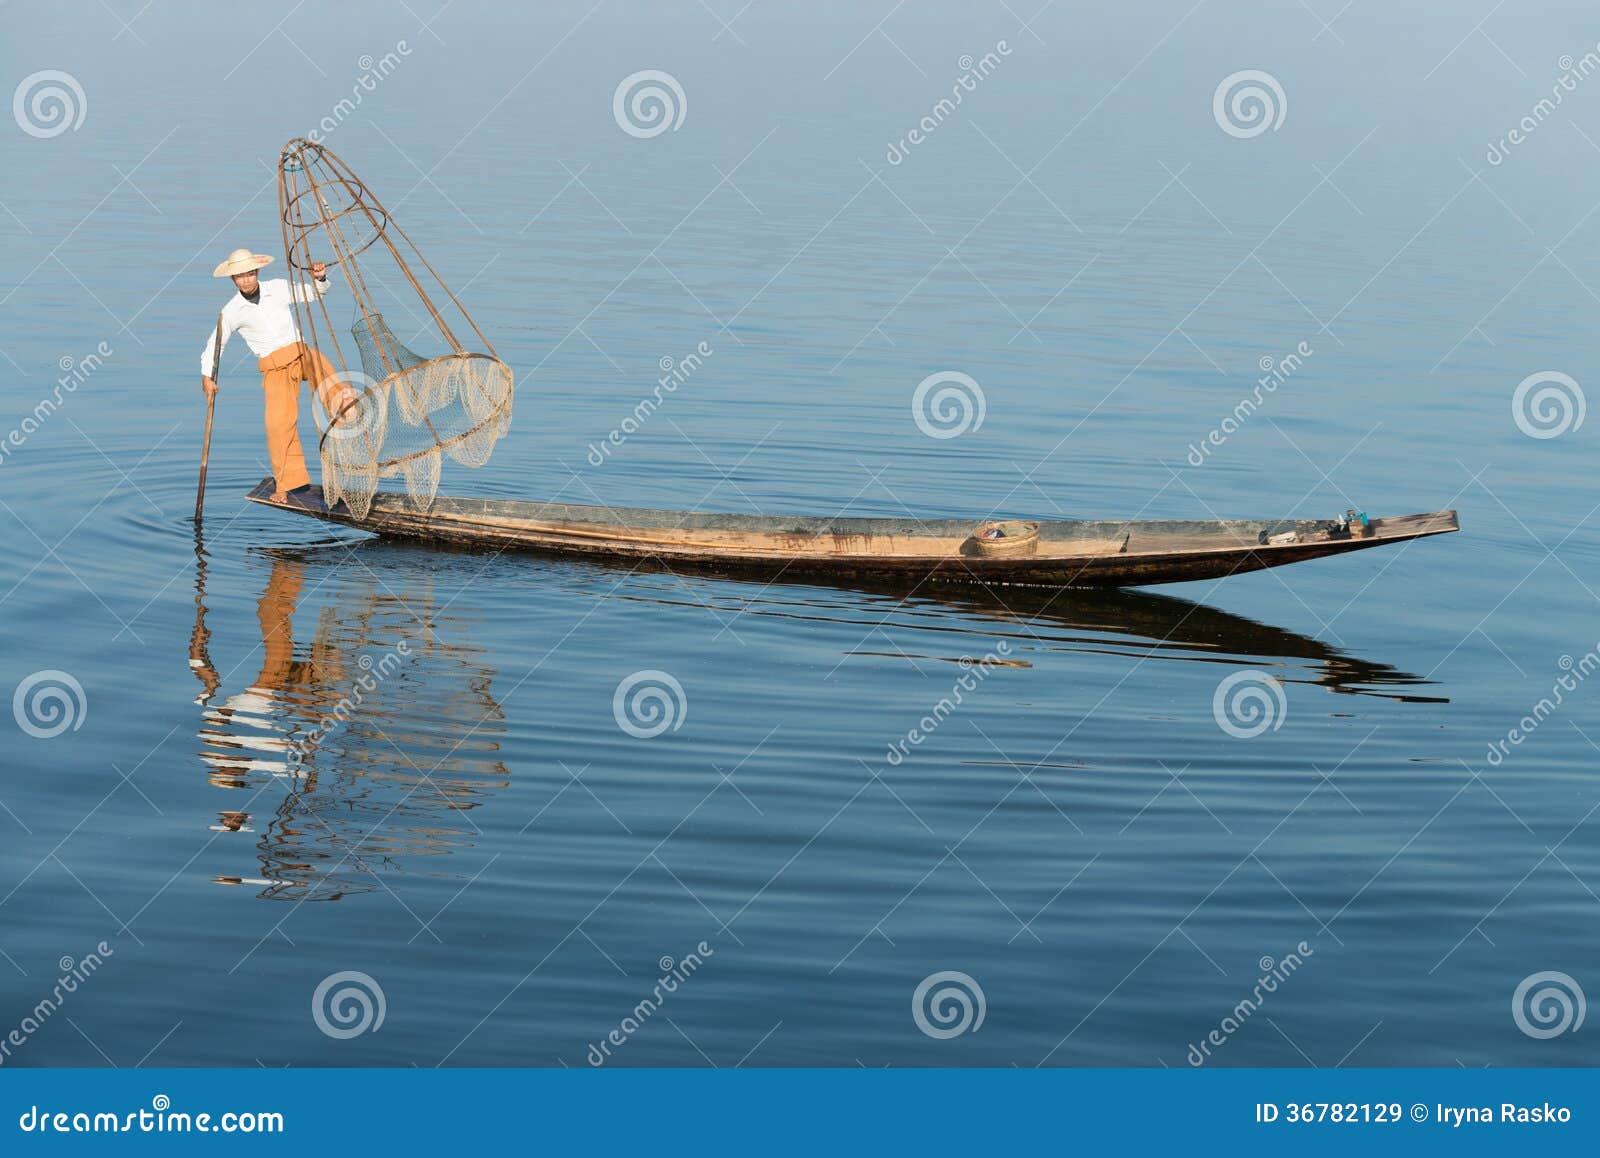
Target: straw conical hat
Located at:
point(241, 261)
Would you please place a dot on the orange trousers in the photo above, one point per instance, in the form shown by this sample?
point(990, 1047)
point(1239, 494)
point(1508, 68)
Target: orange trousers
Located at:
point(282, 371)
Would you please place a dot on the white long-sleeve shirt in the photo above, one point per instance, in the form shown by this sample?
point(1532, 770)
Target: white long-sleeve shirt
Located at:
point(266, 324)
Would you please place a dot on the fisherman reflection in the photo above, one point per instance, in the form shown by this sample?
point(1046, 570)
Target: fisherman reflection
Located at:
point(349, 724)
point(254, 726)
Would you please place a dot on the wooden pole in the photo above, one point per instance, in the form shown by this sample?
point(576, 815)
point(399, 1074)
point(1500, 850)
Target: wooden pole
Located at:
point(211, 408)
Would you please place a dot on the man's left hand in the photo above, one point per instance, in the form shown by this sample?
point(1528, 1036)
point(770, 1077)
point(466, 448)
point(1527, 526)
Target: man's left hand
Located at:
point(319, 270)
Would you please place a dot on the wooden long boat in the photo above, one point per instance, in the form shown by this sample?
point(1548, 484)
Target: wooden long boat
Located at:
point(1068, 552)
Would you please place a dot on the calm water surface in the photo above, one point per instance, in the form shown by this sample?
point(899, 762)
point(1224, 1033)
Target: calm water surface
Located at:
point(302, 752)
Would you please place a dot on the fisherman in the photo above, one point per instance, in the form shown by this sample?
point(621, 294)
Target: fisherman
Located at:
point(263, 312)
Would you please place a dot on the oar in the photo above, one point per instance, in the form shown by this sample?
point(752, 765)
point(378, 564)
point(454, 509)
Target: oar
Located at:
point(211, 407)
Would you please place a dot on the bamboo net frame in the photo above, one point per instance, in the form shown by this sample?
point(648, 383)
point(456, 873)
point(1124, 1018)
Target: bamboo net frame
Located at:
point(456, 403)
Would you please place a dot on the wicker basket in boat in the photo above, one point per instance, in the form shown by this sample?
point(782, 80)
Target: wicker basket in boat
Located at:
point(1014, 537)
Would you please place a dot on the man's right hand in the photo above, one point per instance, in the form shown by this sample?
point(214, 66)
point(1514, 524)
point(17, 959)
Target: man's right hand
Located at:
point(209, 385)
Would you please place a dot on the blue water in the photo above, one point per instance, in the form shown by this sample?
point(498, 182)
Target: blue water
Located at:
point(1110, 867)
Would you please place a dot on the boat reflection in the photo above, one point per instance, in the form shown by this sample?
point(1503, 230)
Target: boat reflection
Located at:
point(1128, 622)
point(371, 737)
point(1178, 629)
point(374, 733)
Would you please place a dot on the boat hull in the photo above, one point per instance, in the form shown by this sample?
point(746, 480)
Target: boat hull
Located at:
point(1071, 553)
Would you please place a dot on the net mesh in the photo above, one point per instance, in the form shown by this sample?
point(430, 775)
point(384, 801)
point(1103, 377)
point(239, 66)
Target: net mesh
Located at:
point(387, 411)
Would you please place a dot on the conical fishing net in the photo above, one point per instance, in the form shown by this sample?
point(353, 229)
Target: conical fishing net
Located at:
point(387, 411)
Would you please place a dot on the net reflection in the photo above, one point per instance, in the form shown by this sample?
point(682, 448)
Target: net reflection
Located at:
point(372, 737)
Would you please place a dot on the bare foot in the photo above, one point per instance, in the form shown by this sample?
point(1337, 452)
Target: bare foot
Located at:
point(341, 410)
point(280, 496)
